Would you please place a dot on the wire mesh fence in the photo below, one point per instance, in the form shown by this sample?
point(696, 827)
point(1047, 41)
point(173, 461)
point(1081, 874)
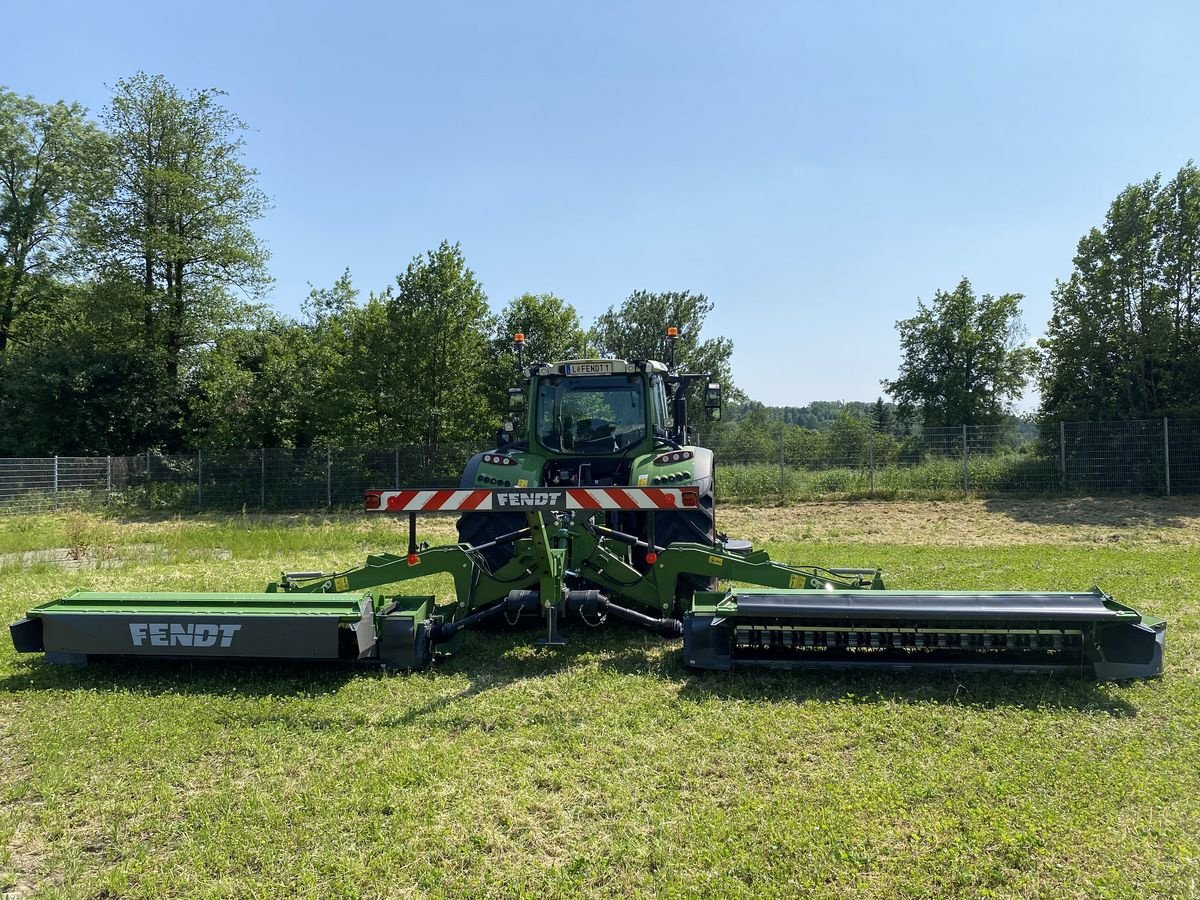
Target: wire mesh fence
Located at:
point(1144, 457)
point(754, 465)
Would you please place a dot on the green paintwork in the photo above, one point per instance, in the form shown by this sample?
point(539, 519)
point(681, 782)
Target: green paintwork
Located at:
point(104, 603)
point(542, 560)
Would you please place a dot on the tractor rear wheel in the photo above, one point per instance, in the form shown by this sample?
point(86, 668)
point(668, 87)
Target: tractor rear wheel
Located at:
point(693, 526)
point(483, 528)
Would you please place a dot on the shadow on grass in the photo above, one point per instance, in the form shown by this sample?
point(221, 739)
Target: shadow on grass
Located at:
point(494, 660)
point(1115, 512)
point(207, 677)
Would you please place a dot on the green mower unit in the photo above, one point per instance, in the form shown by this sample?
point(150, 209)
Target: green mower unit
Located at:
point(604, 510)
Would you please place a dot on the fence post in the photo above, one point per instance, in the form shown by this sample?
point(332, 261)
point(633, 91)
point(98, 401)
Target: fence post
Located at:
point(871, 459)
point(262, 477)
point(397, 482)
point(1062, 452)
point(782, 472)
point(199, 480)
point(1167, 454)
point(966, 467)
point(108, 473)
point(56, 481)
point(329, 476)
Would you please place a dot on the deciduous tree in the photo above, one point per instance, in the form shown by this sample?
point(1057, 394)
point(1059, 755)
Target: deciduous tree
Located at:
point(1124, 338)
point(44, 152)
point(964, 358)
point(175, 212)
point(637, 330)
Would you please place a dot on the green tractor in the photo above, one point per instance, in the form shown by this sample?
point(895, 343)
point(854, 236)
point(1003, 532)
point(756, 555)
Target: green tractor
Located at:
point(601, 423)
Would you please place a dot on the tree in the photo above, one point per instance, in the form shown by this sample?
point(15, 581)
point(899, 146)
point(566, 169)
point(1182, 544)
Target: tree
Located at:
point(43, 171)
point(413, 365)
point(846, 440)
point(552, 331)
point(881, 417)
point(175, 211)
point(440, 314)
point(83, 378)
point(550, 324)
point(637, 330)
point(964, 358)
point(254, 387)
point(1124, 338)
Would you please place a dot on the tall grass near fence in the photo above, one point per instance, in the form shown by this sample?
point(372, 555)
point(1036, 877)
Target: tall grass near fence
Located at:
point(1007, 473)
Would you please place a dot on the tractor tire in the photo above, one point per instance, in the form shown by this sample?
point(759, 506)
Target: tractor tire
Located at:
point(693, 526)
point(482, 528)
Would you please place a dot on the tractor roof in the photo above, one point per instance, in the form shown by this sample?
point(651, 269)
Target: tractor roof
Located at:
point(580, 367)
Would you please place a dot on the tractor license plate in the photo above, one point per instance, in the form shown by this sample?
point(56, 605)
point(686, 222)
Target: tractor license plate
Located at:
point(596, 368)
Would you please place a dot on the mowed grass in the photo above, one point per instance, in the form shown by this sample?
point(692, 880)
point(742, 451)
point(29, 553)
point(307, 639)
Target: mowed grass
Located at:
point(606, 768)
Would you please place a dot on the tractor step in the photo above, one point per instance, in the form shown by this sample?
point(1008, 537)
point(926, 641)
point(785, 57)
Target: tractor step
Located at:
point(1012, 631)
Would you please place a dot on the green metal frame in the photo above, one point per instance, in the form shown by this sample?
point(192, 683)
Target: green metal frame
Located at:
point(541, 561)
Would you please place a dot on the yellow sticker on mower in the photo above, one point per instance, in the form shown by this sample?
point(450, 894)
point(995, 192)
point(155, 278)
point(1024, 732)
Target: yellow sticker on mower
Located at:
point(798, 581)
point(716, 560)
point(341, 583)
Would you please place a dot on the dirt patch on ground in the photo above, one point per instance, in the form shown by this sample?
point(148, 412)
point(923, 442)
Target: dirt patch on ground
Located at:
point(972, 523)
point(77, 559)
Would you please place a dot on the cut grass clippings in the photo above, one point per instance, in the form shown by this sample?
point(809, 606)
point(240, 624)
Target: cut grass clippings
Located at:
point(606, 768)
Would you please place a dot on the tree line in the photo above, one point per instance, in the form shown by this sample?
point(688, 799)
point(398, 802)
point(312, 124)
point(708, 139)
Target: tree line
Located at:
point(131, 283)
point(132, 314)
point(1123, 341)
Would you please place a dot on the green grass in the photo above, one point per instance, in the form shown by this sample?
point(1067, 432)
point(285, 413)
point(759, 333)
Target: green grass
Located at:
point(938, 477)
point(604, 768)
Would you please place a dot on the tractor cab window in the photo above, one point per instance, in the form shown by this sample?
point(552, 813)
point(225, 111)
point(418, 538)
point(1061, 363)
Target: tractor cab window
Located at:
point(590, 415)
point(658, 395)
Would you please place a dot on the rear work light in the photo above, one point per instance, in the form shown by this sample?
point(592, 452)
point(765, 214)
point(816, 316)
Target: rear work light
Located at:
point(497, 460)
point(674, 456)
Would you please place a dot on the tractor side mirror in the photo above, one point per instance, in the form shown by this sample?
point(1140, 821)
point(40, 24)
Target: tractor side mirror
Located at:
point(516, 400)
point(712, 400)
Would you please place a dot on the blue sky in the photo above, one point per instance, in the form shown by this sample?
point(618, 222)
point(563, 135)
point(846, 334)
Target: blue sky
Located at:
point(812, 168)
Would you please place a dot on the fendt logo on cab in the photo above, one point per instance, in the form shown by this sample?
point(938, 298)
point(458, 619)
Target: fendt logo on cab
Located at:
point(531, 499)
point(180, 634)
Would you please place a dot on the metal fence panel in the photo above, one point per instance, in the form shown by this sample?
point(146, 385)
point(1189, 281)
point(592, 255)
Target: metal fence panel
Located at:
point(1090, 457)
point(848, 459)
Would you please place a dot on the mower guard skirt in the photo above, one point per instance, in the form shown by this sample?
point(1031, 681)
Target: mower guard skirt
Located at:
point(962, 630)
point(272, 626)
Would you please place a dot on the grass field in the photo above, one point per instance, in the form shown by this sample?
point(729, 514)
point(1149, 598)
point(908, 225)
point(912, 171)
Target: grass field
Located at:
point(606, 768)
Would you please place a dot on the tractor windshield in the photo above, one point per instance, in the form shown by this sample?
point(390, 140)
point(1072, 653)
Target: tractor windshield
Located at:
point(590, 415)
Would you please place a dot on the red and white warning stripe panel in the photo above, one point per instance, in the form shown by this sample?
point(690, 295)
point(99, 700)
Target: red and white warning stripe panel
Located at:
point(519, 499)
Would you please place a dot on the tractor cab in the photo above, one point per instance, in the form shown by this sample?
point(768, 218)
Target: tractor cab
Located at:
point(604, 407)
point(597, 407)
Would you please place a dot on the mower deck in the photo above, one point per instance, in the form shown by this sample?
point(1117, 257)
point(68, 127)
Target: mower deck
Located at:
point(1016, 631)
point(266, 625)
